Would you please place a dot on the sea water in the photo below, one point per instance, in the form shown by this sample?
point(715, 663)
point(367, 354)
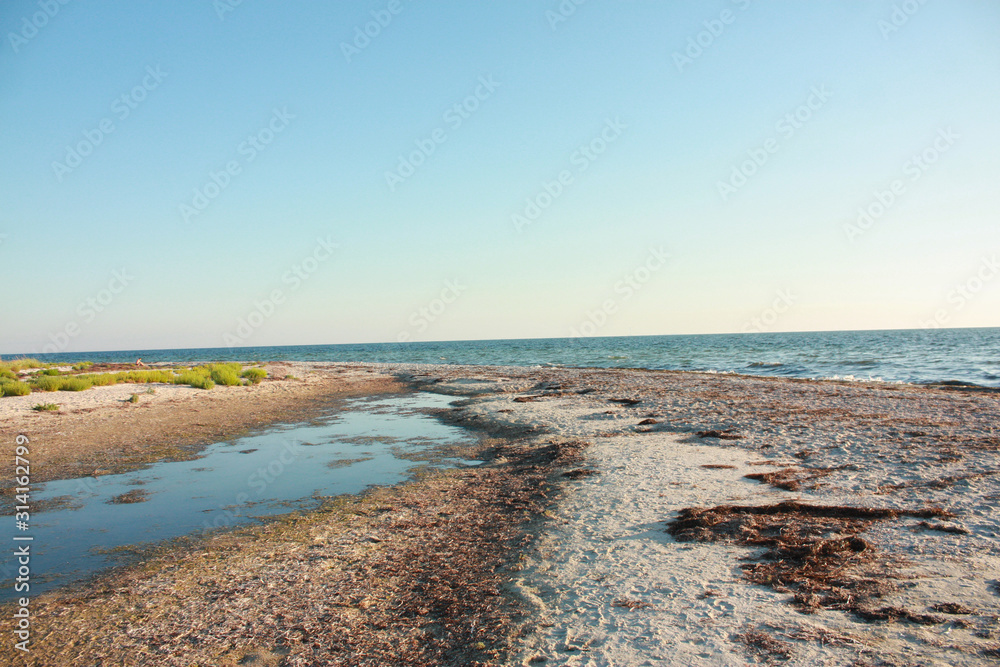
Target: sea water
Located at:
point(371, 441)
point(920, 356)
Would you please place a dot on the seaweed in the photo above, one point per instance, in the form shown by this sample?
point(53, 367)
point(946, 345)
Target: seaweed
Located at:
point(814, 552)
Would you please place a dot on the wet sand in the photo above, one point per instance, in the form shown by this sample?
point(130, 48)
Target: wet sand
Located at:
point(557, 551)
point(98, 432)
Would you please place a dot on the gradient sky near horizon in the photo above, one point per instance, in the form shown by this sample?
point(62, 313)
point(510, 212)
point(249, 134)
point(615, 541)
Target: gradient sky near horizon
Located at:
point(671, 98)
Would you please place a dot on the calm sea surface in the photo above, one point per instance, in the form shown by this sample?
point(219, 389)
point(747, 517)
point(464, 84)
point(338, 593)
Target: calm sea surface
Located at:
point(915, 356)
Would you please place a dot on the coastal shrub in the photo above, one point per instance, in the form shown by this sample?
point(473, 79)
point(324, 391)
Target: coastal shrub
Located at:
point(100, 379)
point(83, 365)
point(51, 371)
point(188, 376)
point(225, 376)
point(47, 383)
point(75, 384)
point(202, 383)
point(45, 407)
point(16, 389)
point(7, 374)
point(255, 375)
point(134, 398)
point(143, 377)
point(18, 365)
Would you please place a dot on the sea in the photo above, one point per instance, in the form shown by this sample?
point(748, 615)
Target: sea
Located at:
point(915, 356)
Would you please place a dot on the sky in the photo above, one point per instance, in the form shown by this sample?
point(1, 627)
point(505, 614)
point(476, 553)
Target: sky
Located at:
point(212, 174)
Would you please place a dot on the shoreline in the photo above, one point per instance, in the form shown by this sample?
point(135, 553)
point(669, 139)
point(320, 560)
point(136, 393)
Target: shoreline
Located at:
point(594, 570)
point(97, 432)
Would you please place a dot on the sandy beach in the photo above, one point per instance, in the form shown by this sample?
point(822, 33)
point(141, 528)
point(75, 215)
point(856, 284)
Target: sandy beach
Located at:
point(613, 523)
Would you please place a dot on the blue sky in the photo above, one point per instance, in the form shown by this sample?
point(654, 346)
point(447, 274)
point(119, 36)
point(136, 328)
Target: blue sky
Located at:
point(740, 139)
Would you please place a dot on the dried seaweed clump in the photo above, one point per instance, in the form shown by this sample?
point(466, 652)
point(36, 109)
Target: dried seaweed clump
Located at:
point(811, 551)
point(790, 479)
point(765, 646)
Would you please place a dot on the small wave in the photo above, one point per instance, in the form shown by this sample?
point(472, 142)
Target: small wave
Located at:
point(854, 378)
point(951, 383)
point(617, 356)
point(860, 362)
point(764, 364)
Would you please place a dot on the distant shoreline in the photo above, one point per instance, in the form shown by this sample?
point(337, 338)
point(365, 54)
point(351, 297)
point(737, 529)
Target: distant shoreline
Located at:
point(912, 356)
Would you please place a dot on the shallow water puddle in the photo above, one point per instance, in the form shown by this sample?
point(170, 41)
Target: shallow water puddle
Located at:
point(372, 441)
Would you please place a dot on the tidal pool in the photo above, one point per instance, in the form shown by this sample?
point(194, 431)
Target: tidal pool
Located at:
point(92, 520)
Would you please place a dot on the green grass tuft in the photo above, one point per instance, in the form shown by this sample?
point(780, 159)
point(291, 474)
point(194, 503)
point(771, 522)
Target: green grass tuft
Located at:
point(47, 383)
point(46, 407)
point(83, 365)
point(255, 375)
point(15, 389)
point(134, 398)
point(225, 376)
point(101, 379)
point(51, 371)
point(202, 383)
point(80, 383)
point(18, 365)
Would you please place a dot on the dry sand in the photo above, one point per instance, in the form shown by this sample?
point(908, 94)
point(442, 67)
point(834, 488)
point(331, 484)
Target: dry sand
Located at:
point(601, 580)
point(613, 588)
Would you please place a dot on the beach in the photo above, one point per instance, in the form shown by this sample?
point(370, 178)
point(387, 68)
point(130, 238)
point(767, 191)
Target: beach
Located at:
point(620, 517)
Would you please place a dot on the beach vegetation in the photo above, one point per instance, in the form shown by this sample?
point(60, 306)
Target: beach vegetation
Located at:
point(202, 383)
point(199, 377)
point(101, 379)
point(76, 384)
point(134, 398)
point(47, 383)
point(15, 388)
point(18, 365)
point(46, 407)
point(225, 376)
point(83, 365)
point(144, 377)
point(255, 375)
